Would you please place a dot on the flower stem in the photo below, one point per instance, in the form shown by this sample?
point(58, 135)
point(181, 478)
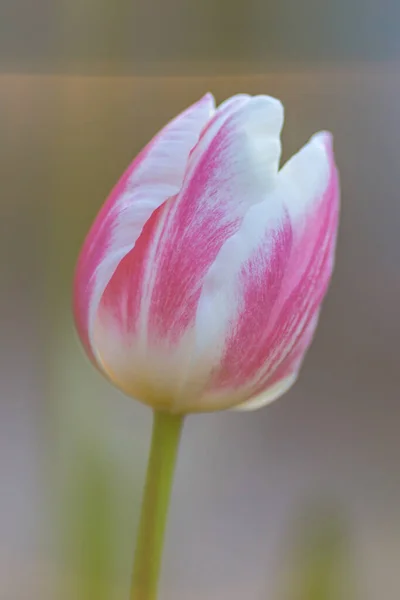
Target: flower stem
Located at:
point(160, 470)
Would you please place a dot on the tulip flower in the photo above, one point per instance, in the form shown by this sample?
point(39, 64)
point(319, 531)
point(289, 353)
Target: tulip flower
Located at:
point(200, 283)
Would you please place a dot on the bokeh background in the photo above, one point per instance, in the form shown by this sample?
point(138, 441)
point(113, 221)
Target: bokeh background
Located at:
point(300, 501)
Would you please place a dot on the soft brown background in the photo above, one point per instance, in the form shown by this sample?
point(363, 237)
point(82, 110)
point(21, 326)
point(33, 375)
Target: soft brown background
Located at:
point(82, 90)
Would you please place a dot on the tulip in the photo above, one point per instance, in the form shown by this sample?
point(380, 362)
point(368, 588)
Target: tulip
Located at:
point(200, 282)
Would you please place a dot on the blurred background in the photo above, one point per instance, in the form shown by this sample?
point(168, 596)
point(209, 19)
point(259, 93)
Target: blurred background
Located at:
point(300, 501)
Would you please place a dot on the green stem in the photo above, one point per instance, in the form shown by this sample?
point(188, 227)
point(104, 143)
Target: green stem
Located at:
point(160, 471)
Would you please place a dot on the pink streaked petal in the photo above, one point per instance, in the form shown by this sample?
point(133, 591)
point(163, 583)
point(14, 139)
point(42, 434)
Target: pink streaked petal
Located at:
point(309, 189)
point(226, 174)
point(313, 206)
point(231, 169)
point(154, 292)
point(280, 284)
point(154, 176)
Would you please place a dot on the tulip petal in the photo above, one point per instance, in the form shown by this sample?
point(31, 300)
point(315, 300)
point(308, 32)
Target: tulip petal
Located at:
point(150, 303)
point(265, 290)
point(153, 177)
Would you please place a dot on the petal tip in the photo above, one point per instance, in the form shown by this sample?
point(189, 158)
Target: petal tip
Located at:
point(208, 98)
point(325, 138)
point(264, 114)
point(324, 141)
point(272, 104)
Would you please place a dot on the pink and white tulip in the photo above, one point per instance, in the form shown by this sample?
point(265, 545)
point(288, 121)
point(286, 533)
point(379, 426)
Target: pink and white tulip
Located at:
point(199, 285)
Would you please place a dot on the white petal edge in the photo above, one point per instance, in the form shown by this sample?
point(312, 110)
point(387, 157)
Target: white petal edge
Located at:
point(270, 395)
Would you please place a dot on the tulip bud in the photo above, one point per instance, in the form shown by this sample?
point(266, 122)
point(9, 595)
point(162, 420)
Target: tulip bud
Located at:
point(199, 285)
